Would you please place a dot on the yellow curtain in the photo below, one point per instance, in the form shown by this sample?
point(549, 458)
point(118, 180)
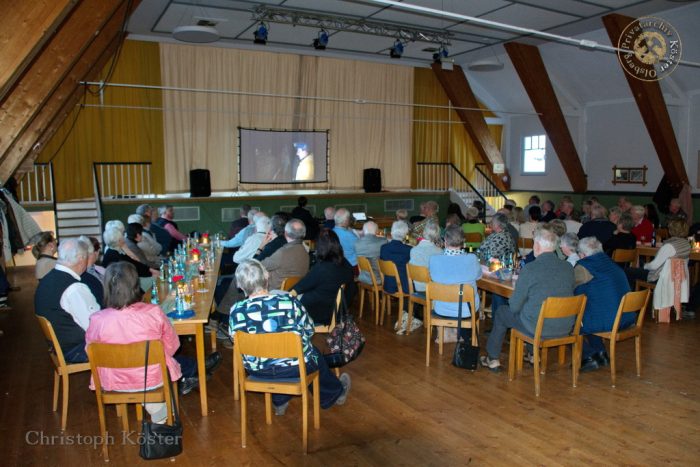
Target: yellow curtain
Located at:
point(438, 133)
point(200, 129)
point(112, 134)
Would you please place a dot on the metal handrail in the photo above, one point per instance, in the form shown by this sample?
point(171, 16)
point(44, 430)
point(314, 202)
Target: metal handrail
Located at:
point(488, 179)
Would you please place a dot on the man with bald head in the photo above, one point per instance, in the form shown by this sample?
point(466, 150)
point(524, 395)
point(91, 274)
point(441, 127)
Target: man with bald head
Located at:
point(65, 301)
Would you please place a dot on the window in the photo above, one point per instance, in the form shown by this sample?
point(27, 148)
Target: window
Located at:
point(534, 160)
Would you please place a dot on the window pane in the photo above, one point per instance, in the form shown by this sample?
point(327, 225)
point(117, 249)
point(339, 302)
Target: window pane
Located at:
point(528, 143)
point(543, 142)
point(534, 161)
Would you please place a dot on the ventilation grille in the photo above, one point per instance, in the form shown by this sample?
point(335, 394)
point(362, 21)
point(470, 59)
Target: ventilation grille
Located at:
point(308, 207)
point(392, 205)
point(186, 213)
point(232, 214)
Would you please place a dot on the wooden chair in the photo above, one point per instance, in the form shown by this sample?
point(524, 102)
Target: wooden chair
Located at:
point(473, 239)
point(448, 293)
point(371, 289)
point(388, 269)
point(628, 257)
point(420, 274)
point(128, 356)
point(62, 370)
point(525, 243)
point(632, 302)
point(289, 282)
point(553, 307)
point(326, 328)
point(276, 345)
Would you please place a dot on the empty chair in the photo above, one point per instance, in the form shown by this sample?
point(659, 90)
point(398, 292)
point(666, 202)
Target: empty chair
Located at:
point(626, 257)
point(289, 282)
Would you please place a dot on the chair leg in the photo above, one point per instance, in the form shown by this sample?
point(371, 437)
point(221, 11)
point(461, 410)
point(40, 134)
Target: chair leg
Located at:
point(428, 334)
point(536, 352)
point(520, 349)
point(304, 420)
point(317, 402)
point(410, 315)
point(244, 419)
point(362, 300)
point(638, 353)
point(613, 375)
point(268, 408)
point(511, 357)
point(562, 354)
point(441, 338)
point(139, 414)
point(125, 418)
point(103, 428)
point(212, 336)
point(376, 307)
point(66, 391)
point(383, 310)
point(56, 383)
point(544, 352)
point(575, 360)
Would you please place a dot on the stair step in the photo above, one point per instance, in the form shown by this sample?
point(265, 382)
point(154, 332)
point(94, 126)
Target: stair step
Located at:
point(80, 214)
point(76, 205)
point(78, 222)
point(77, 231)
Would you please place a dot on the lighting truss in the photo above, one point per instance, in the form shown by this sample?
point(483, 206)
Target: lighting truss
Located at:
point(349, 24)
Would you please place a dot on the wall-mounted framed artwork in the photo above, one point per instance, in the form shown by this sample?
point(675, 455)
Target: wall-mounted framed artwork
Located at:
point(634, 175)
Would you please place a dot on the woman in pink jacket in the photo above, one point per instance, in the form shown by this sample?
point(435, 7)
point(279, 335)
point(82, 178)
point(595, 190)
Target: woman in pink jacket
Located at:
point(127, 319)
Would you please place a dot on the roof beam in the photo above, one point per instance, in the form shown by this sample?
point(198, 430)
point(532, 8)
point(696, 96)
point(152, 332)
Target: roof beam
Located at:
point(24, 29)
point(460, 93)
point(528, 63)
point(651, 104)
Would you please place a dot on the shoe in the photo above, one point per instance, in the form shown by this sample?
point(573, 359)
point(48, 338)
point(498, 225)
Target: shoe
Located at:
point(188, 384)
point(416, 324)
point(401, 325)
point(227, 344)
point(222, 331)
point(602, 358)
point(449, 337)
point(492, 364)
point(211, 326)
point(589, 364)
point(280, 409)
point(212, 361)
point(686, 314)
point(346, 382)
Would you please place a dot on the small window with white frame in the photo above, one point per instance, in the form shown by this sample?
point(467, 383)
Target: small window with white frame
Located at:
point(534, 159)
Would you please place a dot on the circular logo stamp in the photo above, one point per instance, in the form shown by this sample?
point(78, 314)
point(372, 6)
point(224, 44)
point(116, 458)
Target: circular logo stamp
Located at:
point(652, 48)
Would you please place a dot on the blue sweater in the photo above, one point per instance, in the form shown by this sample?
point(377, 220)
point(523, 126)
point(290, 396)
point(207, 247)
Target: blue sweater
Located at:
point(460, 269)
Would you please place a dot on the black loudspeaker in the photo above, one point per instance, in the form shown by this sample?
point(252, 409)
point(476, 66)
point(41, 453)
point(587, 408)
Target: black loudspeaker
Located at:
point(200, 183)
point(372, 180)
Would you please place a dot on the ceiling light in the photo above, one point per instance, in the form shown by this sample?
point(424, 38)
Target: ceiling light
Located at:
point(486, 64)
point(396, 50)
point(321, 41)
point(260, 34)
point(196, 34)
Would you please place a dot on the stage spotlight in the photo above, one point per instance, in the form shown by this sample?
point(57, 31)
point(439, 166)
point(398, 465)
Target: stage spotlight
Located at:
point(260, 34)
point(321, 41)
point(440, 54)
point(396, 50)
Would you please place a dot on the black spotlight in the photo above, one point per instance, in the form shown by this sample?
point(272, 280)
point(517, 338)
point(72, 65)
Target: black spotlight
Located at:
point(396, 50)
point(260, 34)
point(440, 54)
point(321, 41)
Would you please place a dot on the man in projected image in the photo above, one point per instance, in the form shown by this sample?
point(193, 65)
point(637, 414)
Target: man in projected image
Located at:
point(305, 169)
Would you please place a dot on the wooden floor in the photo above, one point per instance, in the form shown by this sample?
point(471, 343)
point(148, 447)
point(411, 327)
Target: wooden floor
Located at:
point(399, 412)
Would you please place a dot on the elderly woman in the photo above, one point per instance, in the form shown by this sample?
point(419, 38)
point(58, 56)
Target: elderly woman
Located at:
point(569, 246)
point(473, 225)
point(400, 254)
point(44, 250)
point(427, 247)
point(262, 313)
point(114, 252)
point(346, 236)
point(317, 289)
point(94, 284)
point(134, 236)
point(500, 243)
point(127, 320)
point(148, 243)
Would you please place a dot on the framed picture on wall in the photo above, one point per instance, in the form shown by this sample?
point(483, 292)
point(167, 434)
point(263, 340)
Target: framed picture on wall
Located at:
point(634, 175)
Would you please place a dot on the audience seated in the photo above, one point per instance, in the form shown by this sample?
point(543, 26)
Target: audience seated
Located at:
point(262, 312)
point(599, 226)
point(93, 268)
point(166, 241)
point(268, 248)
point(547, 211)
point(165, 220)
point(255, 242)
point(148, 243)
point(428, 247)
point(114, 252)
point(368, 246)
point(44, 250)
point(547, 276)
point(453, 208)
point(399, 253)
point(402, 215)
point(300, 212)
point(623, 238)
point(94, 283)
point(419, 217)
point(624, 204)
point(604, 284)
point(500, 243)
point(291, 259)
point(473, 225)
point(533, 201)
point(643, 229)
point(586, 211)
point(429, 211)
point(569, 246)
point(329, 214)
point(347, 236)
point(65, 301)
point(527, 229)
point(134, 236)
point(318, 289)
point(239, 239)
point(675, 211)
point(240, 223)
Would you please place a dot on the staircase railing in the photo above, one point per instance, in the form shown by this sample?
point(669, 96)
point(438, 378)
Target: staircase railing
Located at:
point(37, 187)
point(118, 180)
point(445, 176)
point(488, 189)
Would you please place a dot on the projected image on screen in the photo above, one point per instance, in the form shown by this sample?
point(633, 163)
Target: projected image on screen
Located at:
point(269, 156)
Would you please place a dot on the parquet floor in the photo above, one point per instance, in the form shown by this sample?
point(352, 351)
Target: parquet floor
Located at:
point(399, 412)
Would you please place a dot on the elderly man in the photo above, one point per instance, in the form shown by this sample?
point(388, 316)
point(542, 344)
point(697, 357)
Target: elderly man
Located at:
point(675, 211)
point(400, 254)
point(252, 243)
point(500, 243)
point(329, 214)
point(347, 236)
point(624, 204)
point(604, 284)
point(240, 223)
point(547, 276)
point(292, 259)
point(167, 213)
point(239, 239)
point(94, 284)
point(65, 301)
point(261, 313)
point(599, 226)
point(429, 211)
point(368, 246)
point(643, 229)
point(166, 241)
point(272, 243)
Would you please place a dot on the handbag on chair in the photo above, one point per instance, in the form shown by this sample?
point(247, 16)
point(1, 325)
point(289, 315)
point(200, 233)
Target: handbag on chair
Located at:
point(466, 355)
point(158, 441)
point(345, 340)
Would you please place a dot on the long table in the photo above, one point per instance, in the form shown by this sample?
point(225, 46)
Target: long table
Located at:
point(194, 326)
point(493, 285)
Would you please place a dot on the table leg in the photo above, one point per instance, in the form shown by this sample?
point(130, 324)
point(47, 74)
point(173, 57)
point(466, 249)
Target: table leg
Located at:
point(201, 369)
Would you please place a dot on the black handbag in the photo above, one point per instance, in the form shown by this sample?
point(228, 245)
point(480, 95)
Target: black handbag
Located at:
point(158, 441)
point(466, 354)
point(345, 340)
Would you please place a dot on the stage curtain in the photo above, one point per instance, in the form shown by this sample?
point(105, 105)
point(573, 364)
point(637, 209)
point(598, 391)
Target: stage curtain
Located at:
point(438, 133)
point(200, 129)
point(112, 134)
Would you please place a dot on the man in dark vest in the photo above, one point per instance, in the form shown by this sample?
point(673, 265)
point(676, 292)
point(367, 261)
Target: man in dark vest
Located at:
point(65, 301)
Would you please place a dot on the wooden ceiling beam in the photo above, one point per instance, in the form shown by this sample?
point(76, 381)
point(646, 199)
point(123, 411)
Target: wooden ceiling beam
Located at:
point(24, 30)
point(53, 65)
point(529, 65)
point(652, 107)
point(460, 93)
point(88, 64)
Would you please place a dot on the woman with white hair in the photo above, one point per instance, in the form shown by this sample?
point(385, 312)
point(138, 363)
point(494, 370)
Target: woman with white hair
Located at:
point(569, 246)
point(114, 253)
point(400, 254)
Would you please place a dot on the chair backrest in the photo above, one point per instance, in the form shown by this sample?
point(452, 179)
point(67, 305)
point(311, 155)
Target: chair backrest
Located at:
point(624, 256)
point(289, 282)
point(55, 352)
point(435, 291)
point(632, 302)
point(561, 307)
point(364, 264)
point(388, 269)
point(269, 345)
point(473, 237)
point(525, 242)
point(416, 273)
